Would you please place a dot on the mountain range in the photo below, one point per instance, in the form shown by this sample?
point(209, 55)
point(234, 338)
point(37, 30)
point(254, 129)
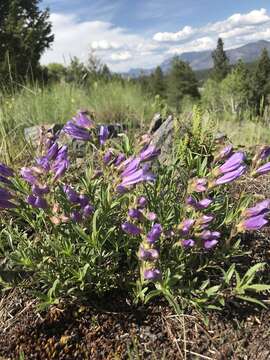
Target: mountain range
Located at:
point(202, 60)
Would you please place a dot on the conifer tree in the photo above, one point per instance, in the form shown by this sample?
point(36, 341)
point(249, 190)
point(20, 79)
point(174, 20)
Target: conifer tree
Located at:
point(25, 33)
point(158, 82)
point(221, 62)
point(181, 81)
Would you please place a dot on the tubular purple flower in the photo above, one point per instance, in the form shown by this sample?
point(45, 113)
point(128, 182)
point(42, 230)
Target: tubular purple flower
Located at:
point(44, 163)
point(135, 214)
point(37, 202)
point(205, 219)
point(264, 152)
point(39, 190)
point(5, 194)
point(103, 134)
point(186, 225)
point(209, 244)
point(232, 163)
point(5, 180)
point(6, 204)
point(154, 234)
point(62, 153)
point(252, 223)
point(71, 194)
point(152, 275)
point(76, 131)
point(198, 185)
point(120, 158)
point(121, 189)
point(5, 170)
point(149, 152)
point(142, 202)
point(107, 158)
point(82, 120)
point(260, 208)
point(148, 254)
point(132, 167)
point(60, 168)
point(88, 210)
point(76, 216)
point(137, 177)
point(52, 152)
point(151, 216)
point(199, 205)
point(188, 243)
point(264, 169)
point(83, 200)
point(130, 228)
point(210, 235)
point(230, 176)
point(29, 175)
point(224, 153)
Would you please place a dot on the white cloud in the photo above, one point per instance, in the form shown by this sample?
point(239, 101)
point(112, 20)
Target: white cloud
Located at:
point(121, 56)
point(204, 43)
point(104, 45)
point(183, 34)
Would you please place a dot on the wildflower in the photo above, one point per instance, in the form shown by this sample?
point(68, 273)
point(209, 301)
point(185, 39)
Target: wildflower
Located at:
point(29, 175)
point(82, 120)
point(52, 152)
point(60, 168)
point(76, 132)
point(233, 163)
point(37, 202)
point(148, 254)
point(188, 243)
point(252, 223)
point(121, 189)
point(131, 229)
point(137, 177)
point(71, 194)
point(4, 180)
point(6, 204)
point(224, 153)
point(186, 225)
point(260, 208)
point(6, 171)
point(83, 200)
point(151, 216)
point(230, 176)
point(264, 169)
point(154, 234)
point(107, 158)
point(76, 216)
point(132, 167)
point(149, 152)
point(4, 194)
point(205, 220)
point(142, 202)
point(209, 244)
point(88, 210)
point(135, 214)
point(198, 185)
point(39, 190)
point(119, 159)
point(199, 205)
point(210, 235)
point(62, 153)
point(152, 274)
point(103, 134)
point(263, 153)
point(44, 163)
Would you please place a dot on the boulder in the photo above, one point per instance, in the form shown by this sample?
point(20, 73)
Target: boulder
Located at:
point(155, 123)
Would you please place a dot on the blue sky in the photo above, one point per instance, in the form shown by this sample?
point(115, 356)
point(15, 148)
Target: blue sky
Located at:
point(142, 33)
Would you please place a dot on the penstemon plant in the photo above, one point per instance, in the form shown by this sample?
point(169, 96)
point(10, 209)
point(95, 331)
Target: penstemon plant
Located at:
point(121, 223)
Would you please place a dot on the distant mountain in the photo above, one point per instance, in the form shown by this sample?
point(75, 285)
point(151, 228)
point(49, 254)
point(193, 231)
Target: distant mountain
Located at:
point(200, 60)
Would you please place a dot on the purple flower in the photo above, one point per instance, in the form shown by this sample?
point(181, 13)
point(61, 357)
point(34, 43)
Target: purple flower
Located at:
point(132, 167)
point(210, 235)
point(224, 153)
point(205, 219)
point(137, 177)
point(44, 163)
point(62, 153)
point(71, 194)
point(151, 216)
point(103, 134)
point(82, 120)
point(37, 202)
point(29, 175)
point(76, 132)
point(88, 210)
point(252, 223)
point(83, 200)
point(130, 228)
point(142, 202)
point(4, 180)
point(148, 254)
point(76, 216)
point(120, 158)
point(121, 189)
point(264, 169)
point(232, 163)
point(154, 234)
point(209, 244)
point(6, 204)
point(4, 194)
point(199, 185)
point(231, 176)
point(264, 152)
point(199, 205)
point(5, 170)
point(186, 226)
point(135, 214)
point(152, 274)
point(108, 157)
point(60, 168)
point(39, 190)
point(188, 243)
point(149, 152)
point(52, 152)
point(260, 208)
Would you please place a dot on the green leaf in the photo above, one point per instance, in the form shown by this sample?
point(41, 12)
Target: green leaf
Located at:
point(252, 300)
point(258, 287)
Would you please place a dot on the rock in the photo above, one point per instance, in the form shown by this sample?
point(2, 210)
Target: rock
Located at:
point(34, 134)
point(155, 123)
point(163, 139)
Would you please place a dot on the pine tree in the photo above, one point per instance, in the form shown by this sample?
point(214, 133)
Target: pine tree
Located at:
point(260, 84)
point(221, 62)
point(25, 33)
point(181, 82)
point(158, 82)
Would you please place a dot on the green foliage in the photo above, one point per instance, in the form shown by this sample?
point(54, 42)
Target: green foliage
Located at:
point(221, 62)
point(158, 84)
point(25, 35)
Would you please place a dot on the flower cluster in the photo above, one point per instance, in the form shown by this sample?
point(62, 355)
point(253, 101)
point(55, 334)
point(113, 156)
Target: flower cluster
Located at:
point(254, 218)
point(82, 208)
point(148, 253)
